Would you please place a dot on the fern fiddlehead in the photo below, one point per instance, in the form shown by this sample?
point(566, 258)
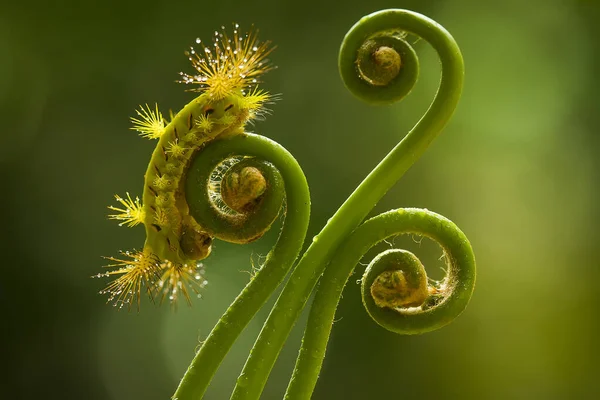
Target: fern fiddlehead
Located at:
point(210, 179)
point(388, 294)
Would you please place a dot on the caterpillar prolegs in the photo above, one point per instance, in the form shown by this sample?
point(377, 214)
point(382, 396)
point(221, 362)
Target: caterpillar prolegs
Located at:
point(227, 73)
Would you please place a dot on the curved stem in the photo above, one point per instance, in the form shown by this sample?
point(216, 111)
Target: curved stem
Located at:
point(277, 264)
point(320, 321)
point(304, 277)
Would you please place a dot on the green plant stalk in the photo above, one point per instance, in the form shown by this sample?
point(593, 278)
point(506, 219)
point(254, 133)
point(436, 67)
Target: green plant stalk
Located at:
point(320, 321)
point(304, 277)
point(278, 262)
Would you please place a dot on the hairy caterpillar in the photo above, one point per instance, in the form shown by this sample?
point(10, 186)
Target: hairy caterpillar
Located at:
point(227, 75)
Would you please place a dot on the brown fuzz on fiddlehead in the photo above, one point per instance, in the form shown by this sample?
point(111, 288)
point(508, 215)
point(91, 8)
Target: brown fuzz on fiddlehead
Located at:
point(242, 191)
point(402, 280)
point(377, 63)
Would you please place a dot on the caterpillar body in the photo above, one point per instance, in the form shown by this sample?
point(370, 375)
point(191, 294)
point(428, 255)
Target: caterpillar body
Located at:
point(168, 264)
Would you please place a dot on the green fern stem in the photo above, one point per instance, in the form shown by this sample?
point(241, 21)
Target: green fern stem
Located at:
point(279, 260)
point(387, 30)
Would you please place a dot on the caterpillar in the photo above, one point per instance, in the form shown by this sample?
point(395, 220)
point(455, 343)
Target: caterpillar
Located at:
point(226, 78)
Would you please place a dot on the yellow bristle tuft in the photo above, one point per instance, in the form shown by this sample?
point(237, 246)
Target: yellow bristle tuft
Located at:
point(132, 214)
point(204, 123)
point(150, 123)
point(137, 270)
point(255, 102)
point(229, 64)
point(175, 149)
point(181, 279)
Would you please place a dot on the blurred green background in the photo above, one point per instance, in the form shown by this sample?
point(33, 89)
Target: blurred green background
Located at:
point(517, 169)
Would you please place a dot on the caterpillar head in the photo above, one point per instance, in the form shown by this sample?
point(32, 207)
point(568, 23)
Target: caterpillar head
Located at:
point(228, 72)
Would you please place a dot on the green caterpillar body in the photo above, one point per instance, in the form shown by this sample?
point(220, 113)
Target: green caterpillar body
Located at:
point(171, 234)
point(175, 242)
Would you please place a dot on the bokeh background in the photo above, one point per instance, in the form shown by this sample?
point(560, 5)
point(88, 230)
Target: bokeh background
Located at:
point(517, 169)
